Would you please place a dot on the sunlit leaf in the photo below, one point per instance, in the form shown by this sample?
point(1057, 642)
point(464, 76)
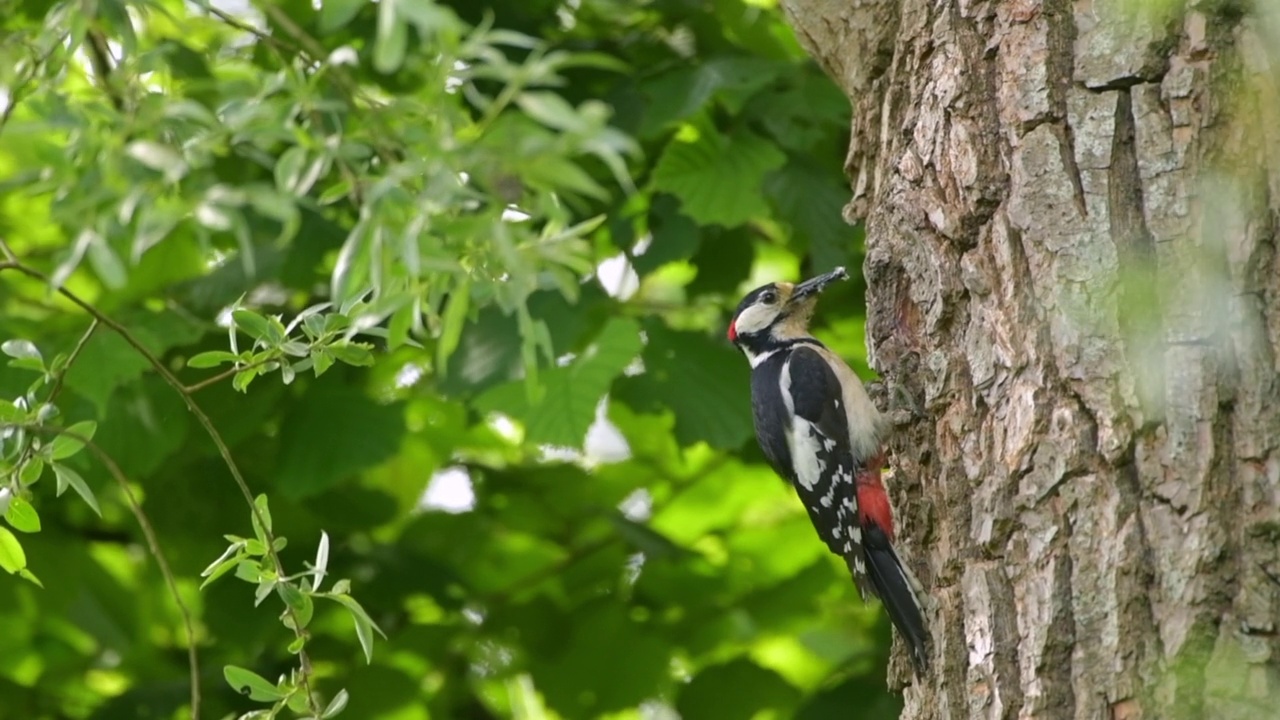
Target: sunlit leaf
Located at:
point(719, 179)
point(335, 14)
point(704, 382)
point(11, 413)
point(299, 603)
point(250, 684)
point(212, 358)
point(365, 626)
point(336, 705)
point(391, 40)
point(12, 557)
point(322, 561)
point(21, 350)
point(568, 406)
point(72, 440)
point(21, 515)
point(158, 157)
point(70, 478)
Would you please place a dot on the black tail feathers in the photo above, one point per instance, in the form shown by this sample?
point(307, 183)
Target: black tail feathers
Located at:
point(901, 594)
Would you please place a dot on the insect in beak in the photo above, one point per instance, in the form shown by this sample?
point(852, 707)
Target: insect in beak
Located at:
point(815, 285)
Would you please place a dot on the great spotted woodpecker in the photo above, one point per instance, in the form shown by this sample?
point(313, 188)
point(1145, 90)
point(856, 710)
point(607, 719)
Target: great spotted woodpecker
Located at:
point(819, 430)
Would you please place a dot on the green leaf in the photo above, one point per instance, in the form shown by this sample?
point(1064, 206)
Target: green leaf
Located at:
point(22, 515)
point(298, 602)
point(22, 350)
point(160, 158)
point(12, 558)
point(365, 635)
point(718, 179)
point(336, 705)
point(257, 326)
point(391, 40)
point(551, 109)
point(68, 477)
point(213, 358)
point(430, 17)
point(365, 626)
point(249, 571)
point(251, 684)
point(321, 360)
point(331, 433)
point(263, 526)
point(684, 91)
point(322, 561)
point(736, 690)
point(225, 562)
point(584, 658)
point(352, 353)
point(811, 198)
point(108, 362)
point(568, 406)
point(351, 269)
point(31, 471)
point(335, 14)
point(72, 440)
point(703, 382)
point(645, 539)
point(265, 586)
point(289, 169)
point(455, 318)
point(11, 413)
point(106, 263)
point(673, 236)
point(356, 609)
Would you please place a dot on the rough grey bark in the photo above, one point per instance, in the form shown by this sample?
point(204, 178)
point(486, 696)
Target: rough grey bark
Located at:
point(1075, 298)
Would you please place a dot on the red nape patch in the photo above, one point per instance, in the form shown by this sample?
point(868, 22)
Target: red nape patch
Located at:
point(733, 331)
point(873, 502)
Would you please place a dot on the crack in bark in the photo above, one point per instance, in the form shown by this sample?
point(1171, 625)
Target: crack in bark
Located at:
point(1060, 65)
point(1056, 667)
point(1067, 147)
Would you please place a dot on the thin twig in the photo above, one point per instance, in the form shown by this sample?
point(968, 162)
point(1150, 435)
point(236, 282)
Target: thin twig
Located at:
point(312, 47)
point(153, 544)
point(71, 359)
point(243, 26)
point(18, 92)
point(194, 388)
point(223, 450)
point(100, 58)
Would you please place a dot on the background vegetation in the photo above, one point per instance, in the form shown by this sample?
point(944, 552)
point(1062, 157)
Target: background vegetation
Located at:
point(444, 286)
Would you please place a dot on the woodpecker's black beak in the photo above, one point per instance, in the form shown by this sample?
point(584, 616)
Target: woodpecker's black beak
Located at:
point(815, 285)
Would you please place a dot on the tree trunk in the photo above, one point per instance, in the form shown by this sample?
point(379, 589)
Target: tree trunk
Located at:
point(1074, 297)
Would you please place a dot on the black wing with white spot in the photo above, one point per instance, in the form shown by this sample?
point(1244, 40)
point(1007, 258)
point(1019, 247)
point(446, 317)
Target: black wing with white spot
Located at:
point(822, 461)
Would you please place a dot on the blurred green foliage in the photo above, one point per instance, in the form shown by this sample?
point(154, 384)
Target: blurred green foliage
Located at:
point(449, 280)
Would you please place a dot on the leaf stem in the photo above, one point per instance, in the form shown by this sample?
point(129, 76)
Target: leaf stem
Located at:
point(71, 359)
point(194, 388)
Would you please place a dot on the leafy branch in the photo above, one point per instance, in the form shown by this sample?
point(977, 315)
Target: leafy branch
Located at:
point(269, 572)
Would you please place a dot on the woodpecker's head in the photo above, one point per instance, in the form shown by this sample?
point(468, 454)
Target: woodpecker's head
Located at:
point(776, 313)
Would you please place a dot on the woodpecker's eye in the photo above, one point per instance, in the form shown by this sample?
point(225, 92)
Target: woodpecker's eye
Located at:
point(769, 297)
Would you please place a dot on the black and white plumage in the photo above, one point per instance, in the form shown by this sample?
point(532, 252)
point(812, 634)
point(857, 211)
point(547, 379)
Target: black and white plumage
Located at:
point(819, 430)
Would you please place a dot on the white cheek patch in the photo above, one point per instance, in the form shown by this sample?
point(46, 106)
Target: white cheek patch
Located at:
point(754, 319)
